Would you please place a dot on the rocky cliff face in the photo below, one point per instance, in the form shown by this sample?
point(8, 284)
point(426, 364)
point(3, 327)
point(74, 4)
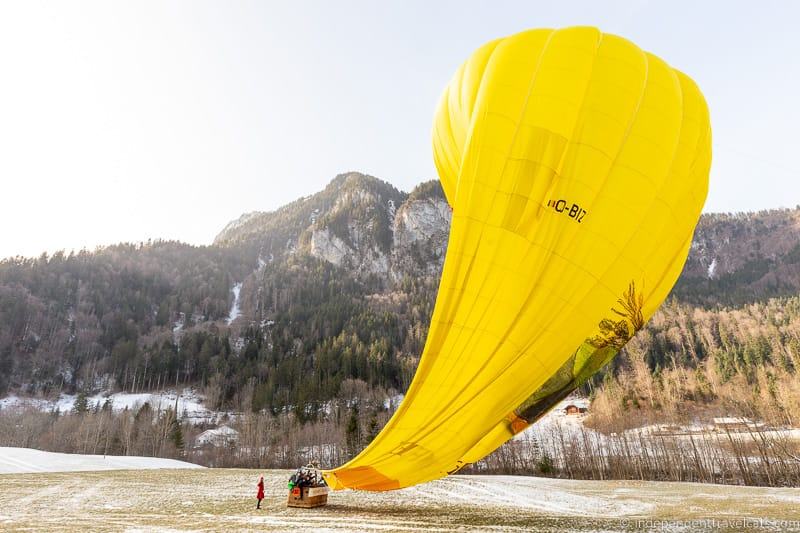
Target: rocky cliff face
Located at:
point(421, 229)
point(358, 223)
point(355, 232)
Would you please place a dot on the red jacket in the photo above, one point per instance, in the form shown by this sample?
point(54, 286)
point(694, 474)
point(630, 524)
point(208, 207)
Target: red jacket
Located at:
point(260, 494)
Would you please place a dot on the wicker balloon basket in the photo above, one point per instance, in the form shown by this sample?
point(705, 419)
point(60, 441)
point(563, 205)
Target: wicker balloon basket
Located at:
point(307, 497)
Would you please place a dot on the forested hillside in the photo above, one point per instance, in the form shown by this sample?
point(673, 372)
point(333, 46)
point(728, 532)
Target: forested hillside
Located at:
point(339, 286)
point(85, 319)
point(742, 258)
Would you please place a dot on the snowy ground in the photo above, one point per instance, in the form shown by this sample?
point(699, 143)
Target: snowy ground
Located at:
point(556, 425)
point(189, 404)
point(223, 500)
point(26, 460)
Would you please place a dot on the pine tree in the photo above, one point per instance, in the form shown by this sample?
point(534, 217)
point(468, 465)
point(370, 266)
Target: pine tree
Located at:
point(545, 464)
point(372, 427)
point(353, 432)
point(176, 436)
point(81, 403)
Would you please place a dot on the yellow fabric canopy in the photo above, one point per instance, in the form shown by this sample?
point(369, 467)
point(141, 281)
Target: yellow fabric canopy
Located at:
point(576, 166)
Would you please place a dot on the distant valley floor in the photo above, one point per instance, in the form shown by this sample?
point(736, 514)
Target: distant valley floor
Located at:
point(223, 500)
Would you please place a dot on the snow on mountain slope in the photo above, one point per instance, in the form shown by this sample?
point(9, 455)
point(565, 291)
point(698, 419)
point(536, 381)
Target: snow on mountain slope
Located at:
point(14, 401)
point(190, 404)
point(26, 460)
point(235, 307)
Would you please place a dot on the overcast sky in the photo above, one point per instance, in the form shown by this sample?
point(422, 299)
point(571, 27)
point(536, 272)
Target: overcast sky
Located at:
point(123, 121)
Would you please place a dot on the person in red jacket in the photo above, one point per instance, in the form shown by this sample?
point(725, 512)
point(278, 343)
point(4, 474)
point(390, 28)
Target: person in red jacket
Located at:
point(260, 494)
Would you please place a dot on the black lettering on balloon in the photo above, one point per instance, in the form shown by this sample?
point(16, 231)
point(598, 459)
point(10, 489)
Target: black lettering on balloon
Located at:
point(573, 211)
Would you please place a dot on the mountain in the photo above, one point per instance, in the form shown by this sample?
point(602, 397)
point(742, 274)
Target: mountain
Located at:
point(741, 258)
point(358, 223)
point(368, 227)
point(290, 308)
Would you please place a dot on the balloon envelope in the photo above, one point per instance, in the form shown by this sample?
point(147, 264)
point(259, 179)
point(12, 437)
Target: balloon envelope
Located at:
point(576, 166)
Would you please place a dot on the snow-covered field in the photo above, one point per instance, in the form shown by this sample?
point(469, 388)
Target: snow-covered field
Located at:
point(223, 500)
point(189, 403)
point(26, 460)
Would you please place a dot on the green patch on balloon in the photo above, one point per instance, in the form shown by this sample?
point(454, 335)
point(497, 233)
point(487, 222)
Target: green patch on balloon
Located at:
point(595, 352)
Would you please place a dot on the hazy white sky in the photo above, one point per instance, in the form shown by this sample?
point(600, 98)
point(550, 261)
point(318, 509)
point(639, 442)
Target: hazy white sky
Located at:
point(136, 120)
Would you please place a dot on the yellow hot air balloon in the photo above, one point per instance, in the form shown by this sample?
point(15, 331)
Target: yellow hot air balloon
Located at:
point(576, 165)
